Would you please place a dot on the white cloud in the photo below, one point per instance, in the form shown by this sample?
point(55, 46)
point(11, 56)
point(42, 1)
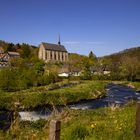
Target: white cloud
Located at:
point(92, 42)
point(84, 42)
point(71, 42)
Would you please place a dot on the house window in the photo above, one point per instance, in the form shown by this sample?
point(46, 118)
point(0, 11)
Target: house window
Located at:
point(58, 56)
point(54, 55)
point(46, 55)
point(62, 57)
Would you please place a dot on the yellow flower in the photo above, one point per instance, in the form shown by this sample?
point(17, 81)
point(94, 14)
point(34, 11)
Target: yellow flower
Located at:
point(92, 126)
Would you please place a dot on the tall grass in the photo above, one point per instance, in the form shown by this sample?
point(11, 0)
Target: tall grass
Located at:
point(100, 124)
point(29, 99)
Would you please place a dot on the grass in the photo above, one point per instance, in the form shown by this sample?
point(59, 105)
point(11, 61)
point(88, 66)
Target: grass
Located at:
point(31, 98)
point(101, 124)
point(136, 85)
point(112, 123)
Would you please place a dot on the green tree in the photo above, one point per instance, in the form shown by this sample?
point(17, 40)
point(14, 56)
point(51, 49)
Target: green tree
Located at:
point(8, 79)
point(92, 58)
point(27, 78)
point(39, 68)
point(129, 67)
point(86, 73)
point(25, 50)
point(9, 47)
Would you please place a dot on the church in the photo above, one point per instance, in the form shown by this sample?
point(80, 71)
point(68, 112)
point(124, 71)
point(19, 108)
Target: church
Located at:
point(52, 52)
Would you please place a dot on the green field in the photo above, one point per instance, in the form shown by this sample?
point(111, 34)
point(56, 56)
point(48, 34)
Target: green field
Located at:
point(51, 95)
point(101, 124)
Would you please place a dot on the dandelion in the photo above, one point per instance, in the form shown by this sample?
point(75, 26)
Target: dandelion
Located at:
point(93, 125)
point(120, 128)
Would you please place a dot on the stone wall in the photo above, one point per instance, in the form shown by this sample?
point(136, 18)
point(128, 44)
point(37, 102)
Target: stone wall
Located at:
point(56, 56)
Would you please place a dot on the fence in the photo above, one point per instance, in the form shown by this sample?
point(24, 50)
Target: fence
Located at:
point(55, 130)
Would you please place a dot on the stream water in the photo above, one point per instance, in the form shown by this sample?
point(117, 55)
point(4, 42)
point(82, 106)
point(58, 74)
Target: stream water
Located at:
point(117, 95)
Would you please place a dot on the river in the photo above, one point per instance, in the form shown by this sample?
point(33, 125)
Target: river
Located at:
point(117, 95)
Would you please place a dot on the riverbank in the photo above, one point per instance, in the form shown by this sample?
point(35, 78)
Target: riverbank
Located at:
point(134, 85)
point(112, 123)
point(51, 95)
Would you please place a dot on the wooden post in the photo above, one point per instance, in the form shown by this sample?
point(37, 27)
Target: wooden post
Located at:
point(55, 130)
point(138, 120)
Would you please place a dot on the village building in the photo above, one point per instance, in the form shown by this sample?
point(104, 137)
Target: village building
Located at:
point(10, 55)
point(5, 57)
point(1, 50)
point(66, 71)
point(52, 52)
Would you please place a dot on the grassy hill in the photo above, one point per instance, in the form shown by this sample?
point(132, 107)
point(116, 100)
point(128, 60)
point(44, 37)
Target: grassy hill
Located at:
point(132, 52)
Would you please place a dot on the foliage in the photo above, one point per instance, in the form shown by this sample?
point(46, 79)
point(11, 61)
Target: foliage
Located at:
point(92, 58)
point(75, 60)
point(39, 67)
point(22, 75)
point(40, 96)
point(86, 73)
point(9, 47)
point(25, 50)
point(130, 67)
point(7, 79)
point(123, 65)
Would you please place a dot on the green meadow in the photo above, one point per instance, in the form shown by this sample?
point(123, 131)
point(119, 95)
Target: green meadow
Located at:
point(52, 95)
point(112, 123)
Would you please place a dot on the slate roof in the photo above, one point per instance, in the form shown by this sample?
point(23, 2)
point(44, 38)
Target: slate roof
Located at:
point(64, 69)
point(54, 47)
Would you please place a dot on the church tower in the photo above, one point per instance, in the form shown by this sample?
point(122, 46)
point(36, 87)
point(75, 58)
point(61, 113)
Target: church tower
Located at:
point(59, 43)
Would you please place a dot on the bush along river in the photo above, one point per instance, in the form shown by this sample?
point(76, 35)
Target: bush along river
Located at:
point(117, 95)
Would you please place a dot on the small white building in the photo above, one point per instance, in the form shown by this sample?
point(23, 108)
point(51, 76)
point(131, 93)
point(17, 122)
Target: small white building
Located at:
point(64, 74)
point(64, 71)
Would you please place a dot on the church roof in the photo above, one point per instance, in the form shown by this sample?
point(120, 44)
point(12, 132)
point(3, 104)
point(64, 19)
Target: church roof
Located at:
point(54, 47)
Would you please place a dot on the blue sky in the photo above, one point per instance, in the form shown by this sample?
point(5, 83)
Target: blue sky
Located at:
point(101, 26)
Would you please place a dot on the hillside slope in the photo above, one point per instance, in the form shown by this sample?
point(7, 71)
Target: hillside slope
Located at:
point(132, 52)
